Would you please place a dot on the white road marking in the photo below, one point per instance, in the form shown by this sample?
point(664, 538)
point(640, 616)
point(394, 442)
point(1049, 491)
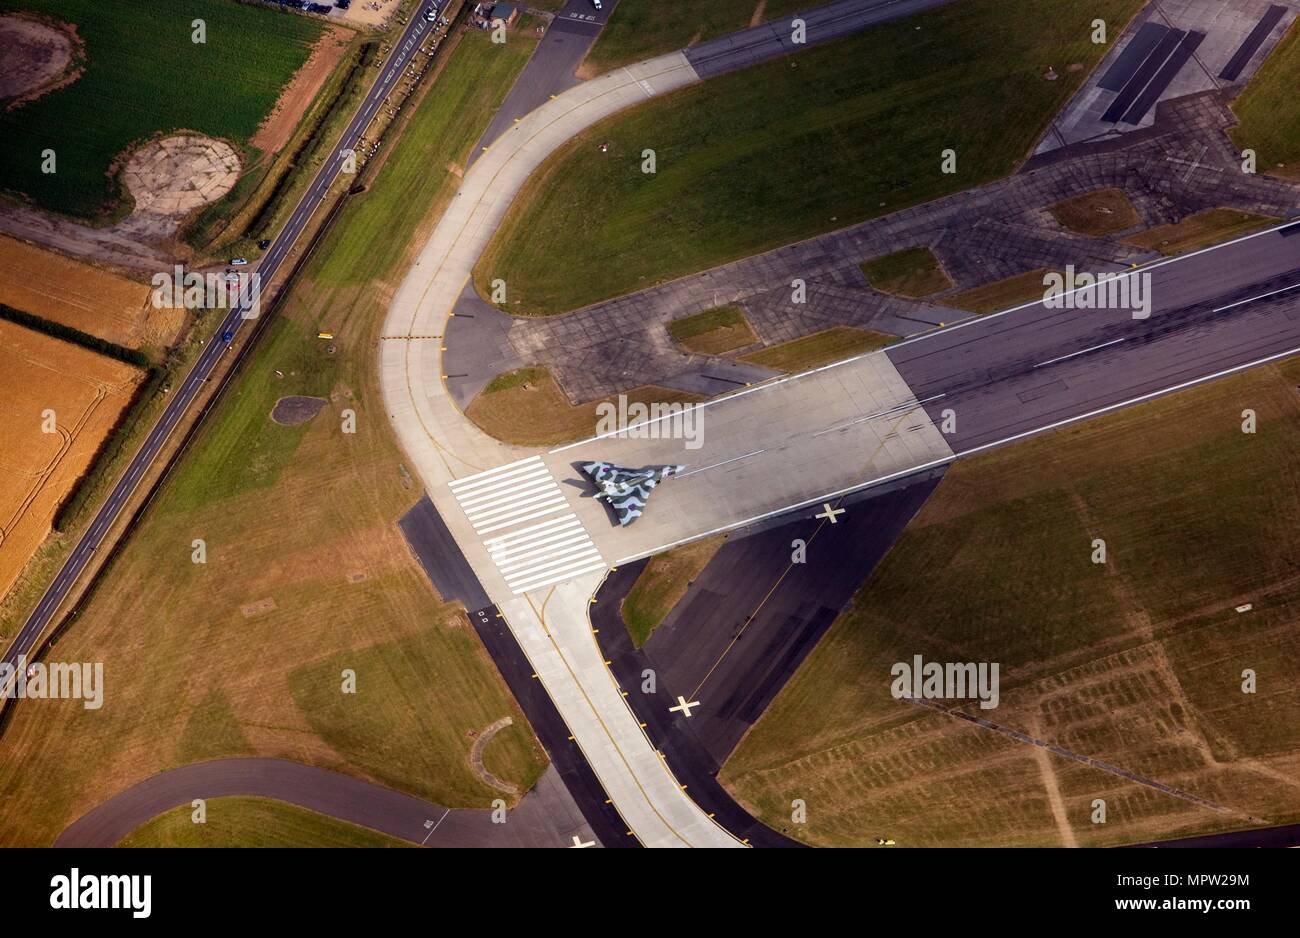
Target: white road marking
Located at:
point(717, 464)
point(1052, 361)
point(527, 556)
point(1262, 296)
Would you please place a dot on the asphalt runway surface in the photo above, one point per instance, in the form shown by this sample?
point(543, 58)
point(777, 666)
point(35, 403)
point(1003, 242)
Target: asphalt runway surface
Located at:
point(741, 631)
point(552, 66)
point(1250, 45)
point(1287, 835)
point(823, 24)
point(183, 395)
point(1008, 375)
point(539, 820)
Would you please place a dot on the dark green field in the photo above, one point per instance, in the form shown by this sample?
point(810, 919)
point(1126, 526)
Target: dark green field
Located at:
point(793, 148)
point(143, 75)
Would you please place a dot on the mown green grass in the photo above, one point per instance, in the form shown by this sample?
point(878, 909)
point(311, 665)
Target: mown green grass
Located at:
point(383, 740)
point(243, 450)
point(792, 148)
point(1269, 110)
point(254, 822)
point(912, 272)
point(144, 75)
point(642, 29)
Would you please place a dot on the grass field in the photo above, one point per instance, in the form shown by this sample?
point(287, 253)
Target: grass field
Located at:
point(223, 87)
point(103, 304)
point(820, 348)
point(526, 407)
point(253, 822)
point(1137, 661)
point(662, 583)
point(714, 331)
point(1269, 112)
point(306, 573)
point(87, 393)
point(791, 148)
point(913, 273)
point(1000, 294)
point(1212, 226)
point(642, 29)
point(1098, 213)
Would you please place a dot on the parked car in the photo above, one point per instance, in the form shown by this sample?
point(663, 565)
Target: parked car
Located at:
point(238, 261)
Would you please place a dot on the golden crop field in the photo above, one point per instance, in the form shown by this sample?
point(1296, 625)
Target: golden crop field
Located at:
point(87, 392)
point(66, 291)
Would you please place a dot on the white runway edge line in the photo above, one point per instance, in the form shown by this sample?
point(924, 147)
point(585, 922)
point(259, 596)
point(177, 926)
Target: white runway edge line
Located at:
point(541, 553)
point(930, 334)
point(935, 463)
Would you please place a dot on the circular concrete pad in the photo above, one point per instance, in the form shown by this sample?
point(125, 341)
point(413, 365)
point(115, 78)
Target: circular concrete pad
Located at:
point(178, 174)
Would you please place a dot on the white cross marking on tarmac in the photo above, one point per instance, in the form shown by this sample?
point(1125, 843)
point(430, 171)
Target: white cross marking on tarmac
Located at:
point(830, 513)
point(683, 706)
point(578, 843)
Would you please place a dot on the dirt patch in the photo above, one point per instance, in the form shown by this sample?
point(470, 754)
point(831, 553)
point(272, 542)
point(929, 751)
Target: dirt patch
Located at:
point(67, 291)
point(1098, 213)
point(81, 395)
point(175, 175)
point(294, 411)
point(260, 607)
point(476, 757)
point(371, 12)
point(36, 56)
point(298, 95)
point(759, 10)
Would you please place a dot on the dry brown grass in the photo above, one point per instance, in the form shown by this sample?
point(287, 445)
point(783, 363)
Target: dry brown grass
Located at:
point(1000, 294)
point(820, 348)
point(1137, 662)
point(714, 331)
point(1200, 230)
point(1097, 213)
point(528, 408)
point(662, 583)
point(87, 393)
point(103, 304)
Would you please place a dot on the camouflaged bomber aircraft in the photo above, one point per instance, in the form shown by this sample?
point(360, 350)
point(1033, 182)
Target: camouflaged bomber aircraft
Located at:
point(626, 490)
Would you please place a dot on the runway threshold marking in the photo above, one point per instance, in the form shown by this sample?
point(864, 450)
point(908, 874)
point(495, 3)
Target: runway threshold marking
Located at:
point(536, 539)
